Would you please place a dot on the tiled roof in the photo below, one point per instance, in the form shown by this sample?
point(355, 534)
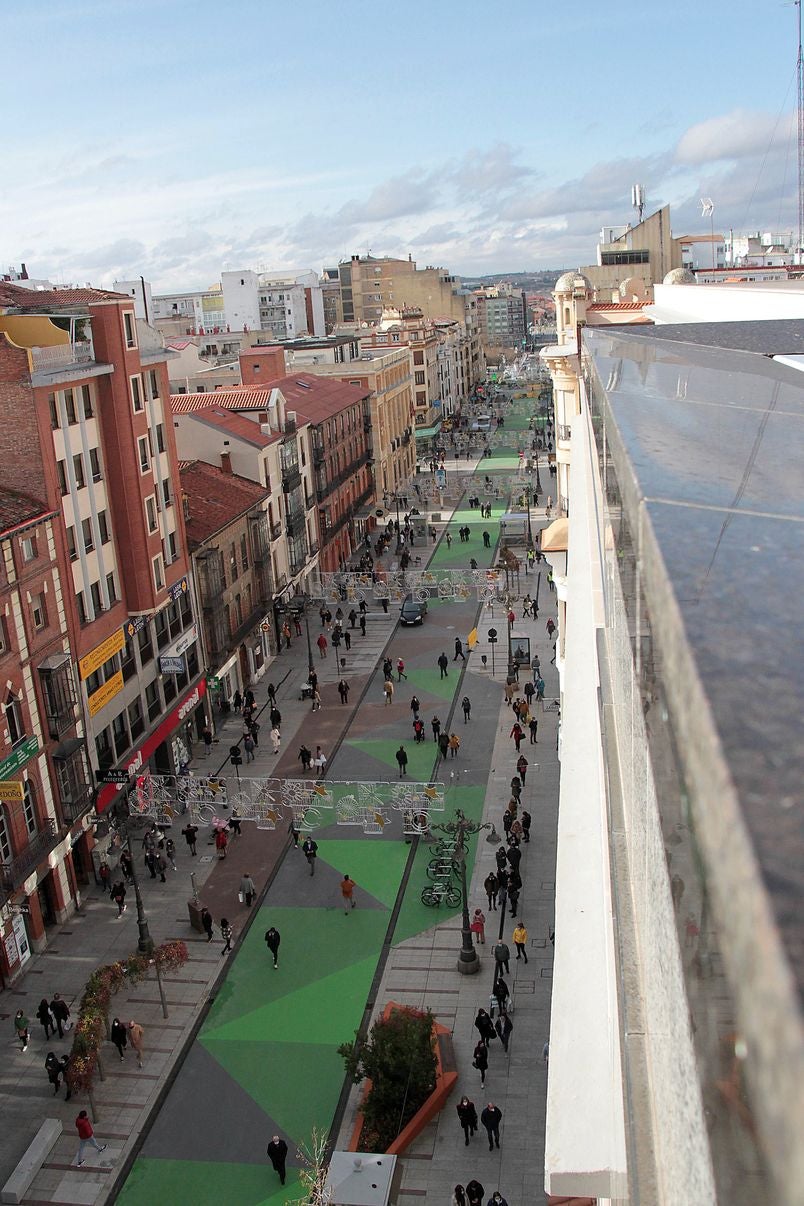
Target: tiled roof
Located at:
point(246, 397)
point(235, 425)
point(54, 299)
point(620, 305)
point(178, 345)
point(17, 509)
point(317, 398)
point(214, 499)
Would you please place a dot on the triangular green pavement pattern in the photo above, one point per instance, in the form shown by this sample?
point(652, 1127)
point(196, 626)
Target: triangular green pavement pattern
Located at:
point(429, 681)
point(206, 1184)
point(374, 863)
point(328, 1010)
point(421, 758)
point(296, 1084)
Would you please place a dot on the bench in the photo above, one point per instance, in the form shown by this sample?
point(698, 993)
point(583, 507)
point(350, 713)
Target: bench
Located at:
point(36, 1153)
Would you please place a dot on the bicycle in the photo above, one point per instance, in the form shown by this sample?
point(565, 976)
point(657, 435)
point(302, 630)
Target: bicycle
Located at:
point(440, 869)
point(433, 894)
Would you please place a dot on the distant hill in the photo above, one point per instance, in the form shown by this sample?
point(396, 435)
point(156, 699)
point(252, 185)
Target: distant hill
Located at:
point(531, 282)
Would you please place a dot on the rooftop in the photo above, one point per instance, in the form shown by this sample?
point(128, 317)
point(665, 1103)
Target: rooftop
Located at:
point(45, 300)
point(19, 510)
point(241, 397)
point(317, 398)
point(214, 499)
point(235, 425)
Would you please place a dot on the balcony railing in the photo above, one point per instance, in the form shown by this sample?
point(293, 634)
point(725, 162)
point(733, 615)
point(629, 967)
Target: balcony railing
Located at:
point(16, 870)
point(276, 530)
point(564, 431)
point(61, 356)
point(291, 479)
point(318, 454)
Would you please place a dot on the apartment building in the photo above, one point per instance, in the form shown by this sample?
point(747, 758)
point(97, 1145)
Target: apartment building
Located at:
point(502, 319)
point(284, 305)
point(228, 536)
point(45, 783)
point(371, 284)
point(410, 329)
point(87, 428)
point(679, 876)
point(196, 312)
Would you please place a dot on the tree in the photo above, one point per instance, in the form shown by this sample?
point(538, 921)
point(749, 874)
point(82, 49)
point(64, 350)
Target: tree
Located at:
point(399, 1060)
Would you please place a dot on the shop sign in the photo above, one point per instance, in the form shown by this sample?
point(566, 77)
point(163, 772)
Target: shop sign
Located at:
point(101, 653)
point(10, 790)
point(21, 934)
point(179, 588)
point(214, 683)
point(99, 699)
point(134, 625)
point(160, 734)
point(171, 665)
point(11, 948)
point(25, 750)
point(119, 777)
point(184, 642)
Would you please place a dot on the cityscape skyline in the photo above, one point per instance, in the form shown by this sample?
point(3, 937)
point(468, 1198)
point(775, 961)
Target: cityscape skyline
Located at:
point(290, 138)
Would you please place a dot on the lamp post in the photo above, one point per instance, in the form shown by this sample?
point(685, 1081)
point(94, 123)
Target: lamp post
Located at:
point(459, 829)
point(307, 630)
point(122, 814)
point(527, 504)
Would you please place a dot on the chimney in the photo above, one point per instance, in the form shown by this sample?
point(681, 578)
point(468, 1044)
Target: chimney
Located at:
point(226, 458)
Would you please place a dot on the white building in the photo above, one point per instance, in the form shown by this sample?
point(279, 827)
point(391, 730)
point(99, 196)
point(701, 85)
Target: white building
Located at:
point(140, 291)
point(284, 304)
point(194, 312)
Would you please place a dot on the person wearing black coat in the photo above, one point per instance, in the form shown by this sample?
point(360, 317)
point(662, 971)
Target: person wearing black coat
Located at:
point(119, 1037)
point(468, 1117)
point(480, 1060)
point(475, 1193)
point(484, 1026)
point(46, 1018)
point(491, 1118)
point(502, 994)
point(501, 857)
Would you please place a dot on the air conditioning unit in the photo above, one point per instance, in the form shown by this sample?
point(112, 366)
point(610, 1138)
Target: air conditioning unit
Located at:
point(290, 416)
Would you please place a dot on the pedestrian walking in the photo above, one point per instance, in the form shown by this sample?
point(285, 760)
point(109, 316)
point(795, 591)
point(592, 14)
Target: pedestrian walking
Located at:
point(484, 1026)
point(478, 926)
point(486, 541)
point(237, 700)
point(490, 886)
point(454, 744)
point(501, 954)
point(509, 693)
point(527, 608)
point(310, 852)
point(348, 894)
point(320, 761)
point(119, 897)
point(497, 1199)
point(363, 620)
point(347, 639)
point(539, 689)
point(343, 691)
point(119, 1036)
point(247, 890)
point(475, 1193)
point(322, 644)
point(53, 1069)
point(459, 653)
point(388, 690)
point(520, 937)
point(272, 941)
point(491, 1118)
point(436, 727)
point(402, 761)
point(221, 842)
point(443, 744)
point(352, 618)
point(207, 739)
point(533, 726)
point(501, 993)
point(150, 861)
point(443, 663)
point(226, 935)
point(276, 740)
point(190, 835)
point(61, 1014)
point(255, 729)
point(466, 704)
point(400, 670)
point(136, 1036)
point(516, 788)
point(467, 1115)
point(277, 1153)
point(522, 767)
point(21, 1028)
point(286, 634)
point(459, 1197)
point(275, 717)
point(170, 851)
point(206, 922)
point(415, 706)
point(480, 1060)
point(551, 627)
point(418, 731)
point(44, 1015)
point(517, 734)
point(504, 1026)
point(86, 1136)
point(305, 756)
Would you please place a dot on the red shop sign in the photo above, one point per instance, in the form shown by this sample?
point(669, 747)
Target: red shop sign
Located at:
point(168, 725)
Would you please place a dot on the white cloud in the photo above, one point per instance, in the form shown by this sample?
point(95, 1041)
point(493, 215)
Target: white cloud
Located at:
point(736, 135)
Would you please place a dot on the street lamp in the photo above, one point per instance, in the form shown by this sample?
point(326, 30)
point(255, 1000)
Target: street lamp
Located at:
point(121, 813)
point(459, 829)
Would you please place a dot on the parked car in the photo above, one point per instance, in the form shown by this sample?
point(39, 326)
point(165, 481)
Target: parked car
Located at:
point(413, 611)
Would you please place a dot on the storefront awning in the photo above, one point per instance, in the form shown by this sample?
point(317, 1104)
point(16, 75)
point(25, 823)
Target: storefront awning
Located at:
point(555, 536)
point(427, 433)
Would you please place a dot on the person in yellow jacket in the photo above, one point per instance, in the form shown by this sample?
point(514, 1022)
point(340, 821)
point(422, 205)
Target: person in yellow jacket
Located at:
point(520, 937)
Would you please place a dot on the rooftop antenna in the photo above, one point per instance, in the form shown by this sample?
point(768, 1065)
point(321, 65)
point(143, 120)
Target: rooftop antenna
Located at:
point(638, 193)
point(707, 211)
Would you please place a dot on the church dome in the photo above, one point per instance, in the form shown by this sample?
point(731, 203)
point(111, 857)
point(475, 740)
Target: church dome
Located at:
point(570, 281)
point(680, 276)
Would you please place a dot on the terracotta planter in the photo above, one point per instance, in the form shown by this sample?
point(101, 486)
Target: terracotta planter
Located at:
point(446, 1077)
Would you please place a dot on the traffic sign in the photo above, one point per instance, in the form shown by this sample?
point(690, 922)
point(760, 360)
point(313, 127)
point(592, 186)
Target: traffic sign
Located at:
point(492, 634)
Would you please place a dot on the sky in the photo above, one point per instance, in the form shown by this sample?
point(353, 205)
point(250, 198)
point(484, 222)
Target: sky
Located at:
point(176, 140)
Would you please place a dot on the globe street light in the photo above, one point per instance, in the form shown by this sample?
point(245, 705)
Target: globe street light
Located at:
point(459, 829)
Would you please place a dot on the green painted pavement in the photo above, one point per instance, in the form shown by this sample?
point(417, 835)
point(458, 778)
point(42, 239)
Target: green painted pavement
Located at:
point(420, 757)
point(429, 681)
point(375, 865)
point(205, 1184)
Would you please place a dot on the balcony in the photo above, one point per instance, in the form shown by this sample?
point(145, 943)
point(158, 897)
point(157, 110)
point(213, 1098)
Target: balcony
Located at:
point(61, 356)
point(16, 871)
point(56, 678)
point(294, 522)
point(276, 530)
point(322, 493)
point(259, 540)
point(291, 479)
point(318, 455)
point(564, 431)
point(72, 779)
point(211, 579)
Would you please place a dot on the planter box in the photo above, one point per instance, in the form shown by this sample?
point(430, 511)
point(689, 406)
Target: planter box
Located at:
point(446, 1077)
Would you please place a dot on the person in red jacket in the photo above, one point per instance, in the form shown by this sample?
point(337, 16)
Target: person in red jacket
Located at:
point(86, 1135)
point(517, 733)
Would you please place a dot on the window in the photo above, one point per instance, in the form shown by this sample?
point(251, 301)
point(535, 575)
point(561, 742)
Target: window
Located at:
point(95, 594)
point(103, 527)
point(81, 608)
point(153, 382)
point(160, 437)
point(244, 553)
point(62, 475)
point(86, 399)
point(128, 663)
point(103, 748)
point(170, 687)
point(150, 511)
point(16, 729)
point(166, 495)
point(86, 533)
point(171, 548)
point(144, 454)
point(136, 722)
point(29, 807)
point(136, 394)
point(130, 328)
point(78, 470)
point(233, 560)
point(54, 411)
point(185, 610)
point(5, 844)
point(145, 643)
point(39, 612)
point(28, 548)
point(120, 733)
point(94, 464)
point(152, 700)
point(111, 587)
point(4, 646)
point(159, 572)
point(69, 405)
point(162, 628)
